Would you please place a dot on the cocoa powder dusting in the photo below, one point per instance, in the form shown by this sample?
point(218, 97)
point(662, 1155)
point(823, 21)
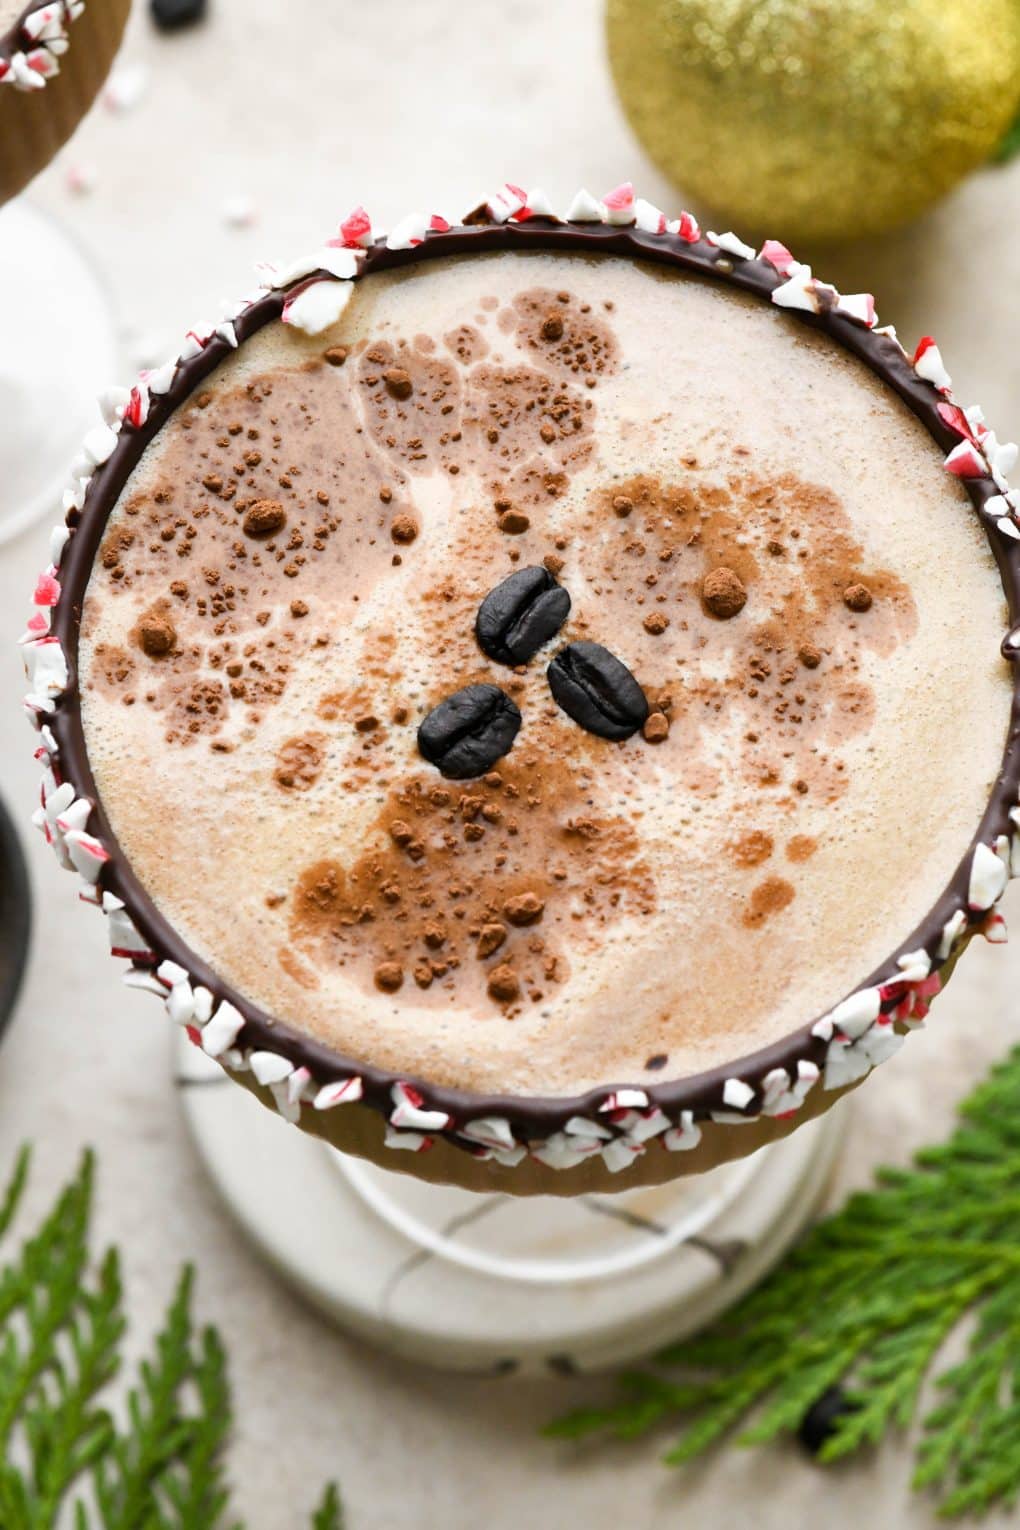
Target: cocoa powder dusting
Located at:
point(451, 875)
point(767, 899)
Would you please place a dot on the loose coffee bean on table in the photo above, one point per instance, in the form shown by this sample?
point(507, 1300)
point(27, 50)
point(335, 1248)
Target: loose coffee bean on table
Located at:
point(469, 731)
point(597, 690)
point(520, 615)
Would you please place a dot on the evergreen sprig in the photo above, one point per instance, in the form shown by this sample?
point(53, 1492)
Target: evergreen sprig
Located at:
point(61, 1449)
point(865, 1302)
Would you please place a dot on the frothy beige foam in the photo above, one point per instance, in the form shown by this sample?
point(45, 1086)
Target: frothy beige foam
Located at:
point(590, 912)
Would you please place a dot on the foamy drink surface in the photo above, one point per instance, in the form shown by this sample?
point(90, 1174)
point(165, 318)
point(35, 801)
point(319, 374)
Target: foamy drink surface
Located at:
point(740, 514)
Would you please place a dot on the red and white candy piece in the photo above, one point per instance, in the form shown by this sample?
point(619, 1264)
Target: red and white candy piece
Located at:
point(737, 1094)
point(648, 218)
point(580, 1126)
point(966, 461)
point(684, 1136)
point(952, 931)
point(686, 227)
point(730, 244)
point(565, 1150)
point(409, 1142)
point(355, 230)
point(409, 232)
point(317, 306)
point(342, 1091)
point(928, 364)
point(88, 855)
point(508, 200)
point(858, 306)
point(778, 256)
point(798, 291)
point(409, 1111)
point(989, 874)
point(852, 1017)
point(619, 205)
point(222, 1030)
point(269, 1068)
point(621, 1153)
point(490, 1131)
point(625, 1099)
point(584, 208)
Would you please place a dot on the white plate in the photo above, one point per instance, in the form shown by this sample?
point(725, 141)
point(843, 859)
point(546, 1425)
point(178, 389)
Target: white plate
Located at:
point(58, 351)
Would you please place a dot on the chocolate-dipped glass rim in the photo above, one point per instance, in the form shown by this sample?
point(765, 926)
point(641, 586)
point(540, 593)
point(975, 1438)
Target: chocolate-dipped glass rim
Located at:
point(32, 45)
point(839, 1047)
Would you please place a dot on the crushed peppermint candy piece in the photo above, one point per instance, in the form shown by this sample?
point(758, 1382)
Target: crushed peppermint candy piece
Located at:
point(125, 88)
point(507, 201)
point(270, 1067)
point(686, 226)
point(222, 1030)
point(411, 1142)
point(778, 256)
point(584, 209)
point(684, 1136)
point(988, 877)
point(538, 205)
point(408, 1111)
point(927, 363)
point(343, 1091)
point(730, 244)
point(648, 218)
point(859, 306)
point(239, 211)
point(798, 291)
point(619, 205)
point(410, 231)
point(737, 1094)
point(625, 1099)
point(81, 179)
point(356, 230)
point(490, 1131)
point(317, 306)
point(966, 461)
point(620, 1154)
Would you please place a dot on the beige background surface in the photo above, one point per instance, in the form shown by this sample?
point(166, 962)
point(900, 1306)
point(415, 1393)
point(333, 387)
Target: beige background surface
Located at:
point(308, 108)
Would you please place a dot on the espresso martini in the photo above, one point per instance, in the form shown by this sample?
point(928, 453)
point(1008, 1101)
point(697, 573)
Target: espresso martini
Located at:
point(535, 679)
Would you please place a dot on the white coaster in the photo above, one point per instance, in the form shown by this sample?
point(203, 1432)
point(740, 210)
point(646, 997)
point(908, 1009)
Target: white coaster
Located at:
point(489, 1283)
point(59, 352)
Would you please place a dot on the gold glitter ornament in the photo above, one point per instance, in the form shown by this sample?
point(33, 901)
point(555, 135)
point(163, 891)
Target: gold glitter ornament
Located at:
point(822, 119)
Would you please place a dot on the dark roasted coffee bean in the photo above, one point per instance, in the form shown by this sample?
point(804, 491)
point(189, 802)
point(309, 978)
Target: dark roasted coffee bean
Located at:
point(520, 615)
point(468, 732)
point(822, 1419)
point(171, 14)
point(597, 690)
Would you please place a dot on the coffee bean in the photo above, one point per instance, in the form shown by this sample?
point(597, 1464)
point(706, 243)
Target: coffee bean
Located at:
point(169, 15)
point(597, 690)
point(520, 615)
point(467, 733)
point(823, 1418)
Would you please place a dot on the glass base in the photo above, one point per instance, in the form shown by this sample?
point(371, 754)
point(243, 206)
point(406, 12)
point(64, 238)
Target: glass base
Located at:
point(58, 351)
point(493, 1284)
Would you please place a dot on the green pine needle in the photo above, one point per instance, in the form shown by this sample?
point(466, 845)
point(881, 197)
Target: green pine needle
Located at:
point(1010, 144)
point(866, 1301)
point(61, 1450)
point(330, 1513)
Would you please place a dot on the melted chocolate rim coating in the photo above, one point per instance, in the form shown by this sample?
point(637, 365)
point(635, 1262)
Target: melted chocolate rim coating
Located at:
point(530, 1116)
point(11, 41)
